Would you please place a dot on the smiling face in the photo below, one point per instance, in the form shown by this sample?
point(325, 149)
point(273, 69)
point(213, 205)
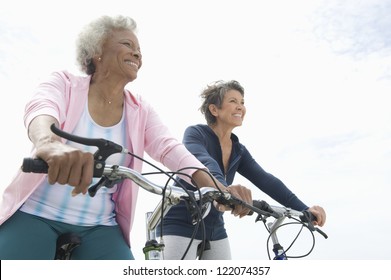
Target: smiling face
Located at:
point(232, 111)
point(121, 55)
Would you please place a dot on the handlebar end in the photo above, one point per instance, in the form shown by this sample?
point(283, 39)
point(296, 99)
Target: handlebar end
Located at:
point(31, 165)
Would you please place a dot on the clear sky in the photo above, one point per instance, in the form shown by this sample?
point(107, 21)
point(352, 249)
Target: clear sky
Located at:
point(317, 79)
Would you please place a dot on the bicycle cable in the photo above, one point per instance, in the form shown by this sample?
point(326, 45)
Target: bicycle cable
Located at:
point(303, 224)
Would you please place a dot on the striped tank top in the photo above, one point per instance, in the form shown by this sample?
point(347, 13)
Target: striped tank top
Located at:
point(55, 202)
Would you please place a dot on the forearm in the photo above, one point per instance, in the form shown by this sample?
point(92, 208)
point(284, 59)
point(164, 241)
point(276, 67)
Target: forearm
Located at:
point(203, 179)
point(39, 130)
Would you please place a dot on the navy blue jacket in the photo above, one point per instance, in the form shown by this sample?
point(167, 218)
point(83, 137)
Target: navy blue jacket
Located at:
point(201, 141)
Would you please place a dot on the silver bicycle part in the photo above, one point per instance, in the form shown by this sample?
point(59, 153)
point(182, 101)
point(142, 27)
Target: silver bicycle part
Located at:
point(283, 213)
point(172, 194)
point(153, 249)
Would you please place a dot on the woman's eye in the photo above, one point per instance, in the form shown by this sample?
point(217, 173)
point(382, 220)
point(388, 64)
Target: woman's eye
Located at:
point(128, 45)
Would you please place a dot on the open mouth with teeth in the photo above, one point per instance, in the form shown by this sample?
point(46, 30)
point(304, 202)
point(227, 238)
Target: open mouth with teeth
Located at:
point(131, 63)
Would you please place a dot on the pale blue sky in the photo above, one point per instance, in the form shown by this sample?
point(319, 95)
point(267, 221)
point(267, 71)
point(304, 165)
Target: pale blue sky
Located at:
point(317, 76)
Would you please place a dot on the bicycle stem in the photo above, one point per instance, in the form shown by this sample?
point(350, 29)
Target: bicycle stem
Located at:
point(273, 226)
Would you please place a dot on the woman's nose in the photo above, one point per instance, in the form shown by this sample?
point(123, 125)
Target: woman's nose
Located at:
point(137, 54)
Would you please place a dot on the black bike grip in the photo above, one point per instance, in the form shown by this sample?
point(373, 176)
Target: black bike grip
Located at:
point(34, 165)
point(308, 217)
point(261, 205)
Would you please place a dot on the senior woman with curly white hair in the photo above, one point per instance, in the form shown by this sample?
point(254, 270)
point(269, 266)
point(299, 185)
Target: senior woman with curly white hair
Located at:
point(37, 208)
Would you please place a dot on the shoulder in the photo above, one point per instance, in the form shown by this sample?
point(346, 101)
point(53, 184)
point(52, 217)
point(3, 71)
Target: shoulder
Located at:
point(137, 106)
point(200, 132)
point(199, 129)
point(69, 78)
point(136, 100)
point(64, 74)
point(203, 128)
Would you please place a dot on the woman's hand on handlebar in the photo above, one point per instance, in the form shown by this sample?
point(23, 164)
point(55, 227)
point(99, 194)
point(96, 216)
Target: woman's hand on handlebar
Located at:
point(320, 215)
point(244, 194)
point(203, 179)
point(67, 165)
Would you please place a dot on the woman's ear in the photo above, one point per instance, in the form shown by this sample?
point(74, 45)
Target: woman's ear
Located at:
point(213, 109)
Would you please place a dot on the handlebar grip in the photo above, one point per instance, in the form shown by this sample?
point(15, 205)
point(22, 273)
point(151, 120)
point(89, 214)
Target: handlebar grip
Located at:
point(34, 165)
point(308, 217)
point(262, 205)
point(263, 208)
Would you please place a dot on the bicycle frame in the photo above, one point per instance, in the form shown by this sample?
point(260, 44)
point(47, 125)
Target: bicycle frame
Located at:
point(153, 249)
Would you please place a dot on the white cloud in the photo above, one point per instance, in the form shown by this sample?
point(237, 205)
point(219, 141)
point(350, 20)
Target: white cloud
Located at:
point(355, 28)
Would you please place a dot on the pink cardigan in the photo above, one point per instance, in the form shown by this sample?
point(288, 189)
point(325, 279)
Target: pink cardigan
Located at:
point(64, 96)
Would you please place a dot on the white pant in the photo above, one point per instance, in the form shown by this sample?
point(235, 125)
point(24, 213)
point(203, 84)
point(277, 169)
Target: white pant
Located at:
point(175, 247)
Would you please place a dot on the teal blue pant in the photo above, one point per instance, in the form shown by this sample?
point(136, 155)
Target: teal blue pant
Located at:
point(29, 237)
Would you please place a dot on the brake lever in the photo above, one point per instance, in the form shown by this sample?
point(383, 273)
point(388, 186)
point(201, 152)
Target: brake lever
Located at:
point(198, 211)
point(105, 148)
point(103, 182)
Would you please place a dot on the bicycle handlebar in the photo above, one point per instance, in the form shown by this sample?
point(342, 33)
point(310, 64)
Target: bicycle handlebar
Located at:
point(174, 194)
point(112, 174)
